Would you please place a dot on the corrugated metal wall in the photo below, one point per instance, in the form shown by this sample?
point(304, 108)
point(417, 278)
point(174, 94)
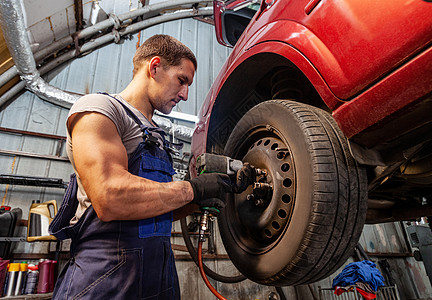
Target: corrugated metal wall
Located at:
point(109, 69)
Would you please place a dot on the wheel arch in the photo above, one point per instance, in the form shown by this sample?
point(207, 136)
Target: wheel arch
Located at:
point(262, 75)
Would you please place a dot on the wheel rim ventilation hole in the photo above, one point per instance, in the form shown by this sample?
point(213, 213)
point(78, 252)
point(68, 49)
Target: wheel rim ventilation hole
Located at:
point(282, 214)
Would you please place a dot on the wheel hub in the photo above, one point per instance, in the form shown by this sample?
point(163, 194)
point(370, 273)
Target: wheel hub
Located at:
point(264, 213)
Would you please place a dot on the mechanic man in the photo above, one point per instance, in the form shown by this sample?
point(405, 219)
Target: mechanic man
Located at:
point(121, 226)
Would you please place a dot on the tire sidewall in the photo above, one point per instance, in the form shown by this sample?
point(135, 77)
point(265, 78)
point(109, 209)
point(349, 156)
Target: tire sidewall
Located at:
point(286, 249)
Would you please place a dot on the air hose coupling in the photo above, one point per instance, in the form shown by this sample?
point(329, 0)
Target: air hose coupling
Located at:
point(203, 225)
point(207, 214)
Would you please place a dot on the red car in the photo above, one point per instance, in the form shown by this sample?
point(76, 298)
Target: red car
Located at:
point(334, 100)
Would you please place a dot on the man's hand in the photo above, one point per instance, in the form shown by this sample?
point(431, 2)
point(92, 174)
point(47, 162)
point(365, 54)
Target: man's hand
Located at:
point(244, 177)
point(210, 189)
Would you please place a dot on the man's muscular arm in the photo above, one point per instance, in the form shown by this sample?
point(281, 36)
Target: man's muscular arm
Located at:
point(101, 162)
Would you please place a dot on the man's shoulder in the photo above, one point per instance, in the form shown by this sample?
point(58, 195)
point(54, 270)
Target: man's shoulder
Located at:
point(99, 103)
point(92, 100)
point(102, 103)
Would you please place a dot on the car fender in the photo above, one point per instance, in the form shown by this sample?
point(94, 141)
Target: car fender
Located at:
point(238, 57)
point(312, 50)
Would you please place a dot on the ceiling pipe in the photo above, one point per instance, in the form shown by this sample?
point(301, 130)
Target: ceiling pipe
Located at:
point(15, 33)
point(12, 22)
point(8, 75)
point(110, 37)
point(105, 39)
point(101, 26)
point(115, 20)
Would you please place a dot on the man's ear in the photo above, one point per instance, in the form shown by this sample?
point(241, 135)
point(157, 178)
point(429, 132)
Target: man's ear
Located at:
point(154, 65)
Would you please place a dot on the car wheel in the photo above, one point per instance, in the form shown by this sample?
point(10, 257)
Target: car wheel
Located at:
point(305, 218)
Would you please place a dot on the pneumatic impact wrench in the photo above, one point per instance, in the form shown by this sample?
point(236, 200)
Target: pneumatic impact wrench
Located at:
point(212, 163)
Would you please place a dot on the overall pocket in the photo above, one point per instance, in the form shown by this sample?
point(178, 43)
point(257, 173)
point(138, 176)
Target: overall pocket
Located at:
point(61, 222)
point(121, 281)
point(156, 169)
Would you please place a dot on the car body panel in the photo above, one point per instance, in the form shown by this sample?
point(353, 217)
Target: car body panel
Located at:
point(392, 94)
point(382, 36)
point(199, 138)
point(387, 50)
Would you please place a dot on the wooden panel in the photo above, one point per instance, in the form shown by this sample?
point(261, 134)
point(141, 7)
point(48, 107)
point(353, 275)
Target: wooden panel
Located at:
point(5, 58)
point(6, 62)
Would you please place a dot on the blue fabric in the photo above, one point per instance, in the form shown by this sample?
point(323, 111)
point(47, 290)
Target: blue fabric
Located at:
point(59, 226)
point(155, 166)
point(364, 271)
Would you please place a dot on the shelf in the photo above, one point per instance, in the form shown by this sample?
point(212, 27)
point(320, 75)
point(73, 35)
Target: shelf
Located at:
point(12, 239)
point(30, 296)
point(21, 239)
point(32, 181)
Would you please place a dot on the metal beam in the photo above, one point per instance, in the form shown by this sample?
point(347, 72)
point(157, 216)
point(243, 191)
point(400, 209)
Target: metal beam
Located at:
point(397, 213)
point(33, 155)
point(78, 15)
point(38, 134)
point(33, 181)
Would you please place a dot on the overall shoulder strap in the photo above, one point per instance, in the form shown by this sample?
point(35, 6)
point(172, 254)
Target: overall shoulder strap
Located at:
point(169, 146)
point(146, 130)
point(127, 109)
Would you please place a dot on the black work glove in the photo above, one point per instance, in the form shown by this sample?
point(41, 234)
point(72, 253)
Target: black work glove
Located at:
point(244, 178)
point(210, 189)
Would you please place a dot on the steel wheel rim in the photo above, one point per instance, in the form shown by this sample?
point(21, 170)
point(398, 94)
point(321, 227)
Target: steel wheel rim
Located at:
point(257, 229)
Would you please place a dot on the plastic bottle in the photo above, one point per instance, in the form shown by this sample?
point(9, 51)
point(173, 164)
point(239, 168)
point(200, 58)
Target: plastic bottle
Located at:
point(12, 278)
point(44, 276)
point(4, 289)
point(21, 278)
point(39, 219)
point(51, 278)
point(32, 279)
point(3, 274)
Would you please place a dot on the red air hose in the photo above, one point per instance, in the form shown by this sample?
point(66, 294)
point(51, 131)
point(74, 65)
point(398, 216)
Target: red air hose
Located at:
point(204, 276)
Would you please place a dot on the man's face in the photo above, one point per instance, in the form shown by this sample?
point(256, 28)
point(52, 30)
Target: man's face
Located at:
point(171, 85)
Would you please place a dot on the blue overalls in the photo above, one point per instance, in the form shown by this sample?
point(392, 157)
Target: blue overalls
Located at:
point(120, 259)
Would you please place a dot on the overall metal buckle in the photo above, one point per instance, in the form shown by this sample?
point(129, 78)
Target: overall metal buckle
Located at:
point(173, 148)
point(149, 139)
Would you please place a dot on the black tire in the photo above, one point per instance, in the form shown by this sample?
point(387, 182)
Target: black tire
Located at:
point(309, 224)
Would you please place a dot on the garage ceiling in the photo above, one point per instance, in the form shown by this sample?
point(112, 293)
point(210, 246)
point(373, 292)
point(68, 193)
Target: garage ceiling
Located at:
point(50, 21)
point(6, 62)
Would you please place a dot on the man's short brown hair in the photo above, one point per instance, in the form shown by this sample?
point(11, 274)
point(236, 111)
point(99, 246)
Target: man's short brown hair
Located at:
point(168, 48)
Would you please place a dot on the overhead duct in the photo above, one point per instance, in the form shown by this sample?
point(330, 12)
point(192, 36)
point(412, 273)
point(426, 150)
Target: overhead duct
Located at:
point(114, 20)
point(15, 33)
point(12, 22)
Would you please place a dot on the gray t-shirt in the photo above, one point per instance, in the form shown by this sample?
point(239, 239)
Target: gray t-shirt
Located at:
point(128, 130)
